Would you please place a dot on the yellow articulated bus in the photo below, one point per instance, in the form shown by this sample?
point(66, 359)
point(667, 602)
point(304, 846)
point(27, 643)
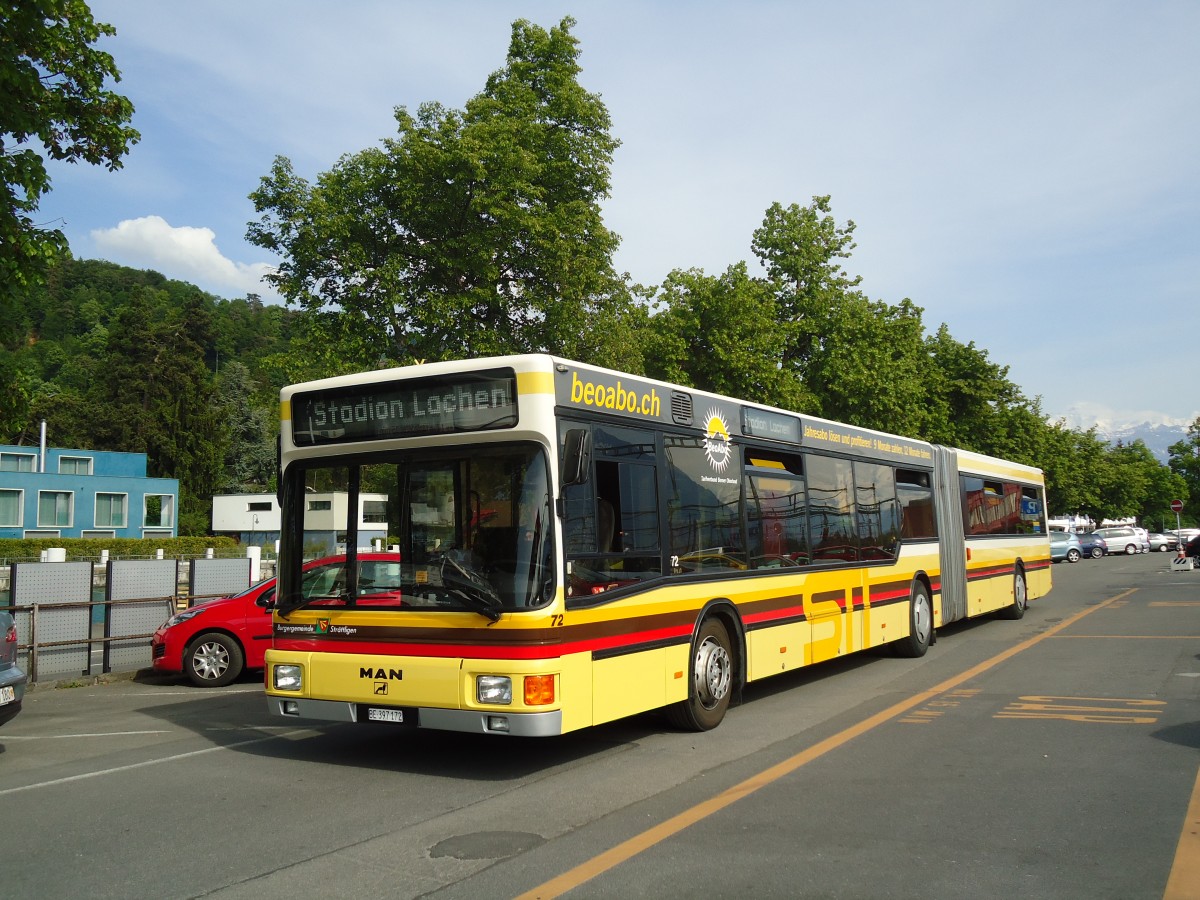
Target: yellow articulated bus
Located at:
point(567, 545)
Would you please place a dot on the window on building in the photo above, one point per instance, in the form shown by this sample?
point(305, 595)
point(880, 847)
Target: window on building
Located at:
point(54, 509)
point(10, 508)
point(110, 511)
point(159, 511)
point(74, 465)
point(375, 511)
point(16, 462)
point(319, 505)
point(257, 506)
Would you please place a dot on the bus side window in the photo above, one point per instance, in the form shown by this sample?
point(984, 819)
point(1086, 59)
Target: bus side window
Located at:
point(916, 505)
point(610, 523)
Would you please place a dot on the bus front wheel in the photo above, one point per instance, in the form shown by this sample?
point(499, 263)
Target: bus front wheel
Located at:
point(711, 680)
point(920, 625)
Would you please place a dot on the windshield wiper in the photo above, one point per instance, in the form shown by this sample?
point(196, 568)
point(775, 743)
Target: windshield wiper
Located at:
point(473, 589)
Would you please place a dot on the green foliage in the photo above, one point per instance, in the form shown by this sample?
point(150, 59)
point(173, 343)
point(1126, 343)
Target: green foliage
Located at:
point(718, 334)
point(118, 548)
point(473, 232)
point(1185, 463)
point(249, 463)
point(470, 232)
point(53, 103)
point(117, 359)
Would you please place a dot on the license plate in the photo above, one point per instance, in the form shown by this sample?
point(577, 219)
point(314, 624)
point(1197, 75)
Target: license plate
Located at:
point(7, 695)
point(375, 714)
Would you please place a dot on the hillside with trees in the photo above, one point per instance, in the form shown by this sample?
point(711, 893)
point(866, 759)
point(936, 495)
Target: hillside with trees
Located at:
point(478, 232)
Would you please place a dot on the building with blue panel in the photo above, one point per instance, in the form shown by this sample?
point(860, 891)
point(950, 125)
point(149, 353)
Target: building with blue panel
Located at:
point(53, 492)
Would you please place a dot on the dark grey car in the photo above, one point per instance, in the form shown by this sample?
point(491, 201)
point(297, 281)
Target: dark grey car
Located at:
point(12, 679)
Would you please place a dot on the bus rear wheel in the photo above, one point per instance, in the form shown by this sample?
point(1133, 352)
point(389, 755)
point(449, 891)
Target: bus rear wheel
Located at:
point(1016, 609)
point(711, 680)
point(920, 625)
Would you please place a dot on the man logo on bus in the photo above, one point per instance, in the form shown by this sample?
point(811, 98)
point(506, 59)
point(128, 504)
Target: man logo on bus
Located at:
point(717, 446)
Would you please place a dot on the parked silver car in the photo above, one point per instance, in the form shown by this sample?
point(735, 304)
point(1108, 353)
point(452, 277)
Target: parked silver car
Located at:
point(1163, 542)
point(1124, 539)
point(12, 679)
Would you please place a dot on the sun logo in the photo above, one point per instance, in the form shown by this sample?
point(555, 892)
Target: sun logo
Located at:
point(717, 446)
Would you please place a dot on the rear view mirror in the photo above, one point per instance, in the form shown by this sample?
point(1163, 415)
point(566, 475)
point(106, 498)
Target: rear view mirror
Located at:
point(577, 456)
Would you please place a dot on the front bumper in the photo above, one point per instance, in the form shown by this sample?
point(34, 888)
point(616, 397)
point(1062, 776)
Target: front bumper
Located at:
point(500, 722)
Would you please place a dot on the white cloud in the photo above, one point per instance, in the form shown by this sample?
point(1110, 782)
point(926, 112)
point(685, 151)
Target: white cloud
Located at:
point(185, 253)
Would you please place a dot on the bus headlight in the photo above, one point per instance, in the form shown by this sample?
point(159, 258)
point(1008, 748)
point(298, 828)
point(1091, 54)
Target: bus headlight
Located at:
point(287, 678)
point(495, 689)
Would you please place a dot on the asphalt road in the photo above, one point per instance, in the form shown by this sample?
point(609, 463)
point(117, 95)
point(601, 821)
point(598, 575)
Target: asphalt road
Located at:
point(1055, 757)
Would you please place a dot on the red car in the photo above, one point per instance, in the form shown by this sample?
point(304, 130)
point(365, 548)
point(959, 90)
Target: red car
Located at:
point(213, 641)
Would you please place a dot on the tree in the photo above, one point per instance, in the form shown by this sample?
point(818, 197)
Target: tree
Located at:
point(158, 397)
point(1185, 462)
point(719, 334)
point(249, 463)
point(800, 248)
point(470, 233)
point(52, 94)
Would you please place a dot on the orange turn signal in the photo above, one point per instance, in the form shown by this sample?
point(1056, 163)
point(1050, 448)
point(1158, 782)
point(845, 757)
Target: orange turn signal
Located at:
point(539, 690)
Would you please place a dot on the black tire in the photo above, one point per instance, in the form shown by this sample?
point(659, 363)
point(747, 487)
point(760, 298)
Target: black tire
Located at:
point(1131, 549)
point(920, 625)
point(213, 660)
point(1016, 609)
point(710, 683)
point(1073, 555)
point(1097, 553)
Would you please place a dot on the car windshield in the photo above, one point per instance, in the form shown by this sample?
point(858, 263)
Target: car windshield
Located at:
point(466, 530)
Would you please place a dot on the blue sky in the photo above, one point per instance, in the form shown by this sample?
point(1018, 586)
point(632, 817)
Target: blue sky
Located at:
point(1026, 172)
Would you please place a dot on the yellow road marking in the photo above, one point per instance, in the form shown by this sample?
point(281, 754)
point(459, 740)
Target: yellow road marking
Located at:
point(1184, 881)
point(640, 843)
point(1128, 637)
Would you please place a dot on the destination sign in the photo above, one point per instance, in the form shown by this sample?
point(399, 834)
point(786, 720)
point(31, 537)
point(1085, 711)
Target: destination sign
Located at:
point(448, 404)
point(771, 425)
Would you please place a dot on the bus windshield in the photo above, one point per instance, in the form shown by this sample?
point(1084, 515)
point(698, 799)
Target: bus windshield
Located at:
point(472, 525)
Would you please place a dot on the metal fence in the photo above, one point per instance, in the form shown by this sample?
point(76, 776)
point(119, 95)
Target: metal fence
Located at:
point(79, 619)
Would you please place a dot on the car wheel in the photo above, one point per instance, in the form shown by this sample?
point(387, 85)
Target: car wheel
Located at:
point(1097, 553)
point(1072, 555)
point(213, 660)
point(711, 680)
point(1131, 549)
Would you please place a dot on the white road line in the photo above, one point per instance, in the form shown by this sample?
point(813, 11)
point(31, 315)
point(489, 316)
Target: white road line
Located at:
point(149, 762)
point(97, 734)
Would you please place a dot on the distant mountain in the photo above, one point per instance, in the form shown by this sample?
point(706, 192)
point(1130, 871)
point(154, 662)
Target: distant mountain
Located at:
point(1156, 437)
point(1156, 430)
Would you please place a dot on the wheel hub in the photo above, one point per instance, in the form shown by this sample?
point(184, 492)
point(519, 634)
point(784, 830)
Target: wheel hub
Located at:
point(714, 672)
